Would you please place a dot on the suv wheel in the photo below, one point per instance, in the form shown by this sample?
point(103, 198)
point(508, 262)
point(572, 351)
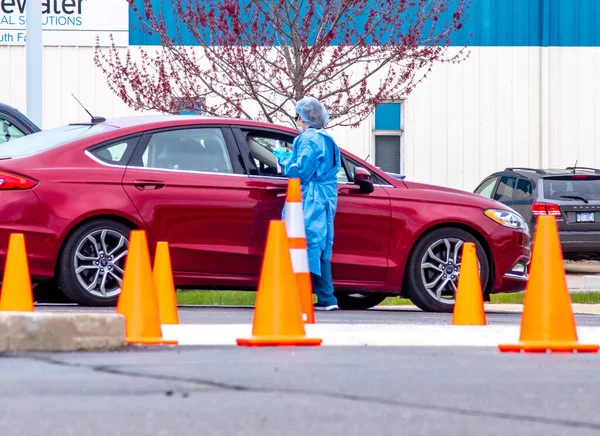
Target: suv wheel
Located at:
point(93, 261)
point(434, 267)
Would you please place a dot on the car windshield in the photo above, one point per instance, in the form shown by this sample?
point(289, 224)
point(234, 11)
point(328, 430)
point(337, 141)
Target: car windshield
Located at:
point(573, 189)
point(46, 139)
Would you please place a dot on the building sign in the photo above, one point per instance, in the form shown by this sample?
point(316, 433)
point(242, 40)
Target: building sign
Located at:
point(68, 22)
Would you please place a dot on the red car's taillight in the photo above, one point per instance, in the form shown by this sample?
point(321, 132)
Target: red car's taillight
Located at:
point(540, 209)
point(12, 182)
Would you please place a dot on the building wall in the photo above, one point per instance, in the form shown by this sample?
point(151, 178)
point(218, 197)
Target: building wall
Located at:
point(526, 96)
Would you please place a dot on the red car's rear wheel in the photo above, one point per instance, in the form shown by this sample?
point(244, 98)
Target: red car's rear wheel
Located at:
point(92, 263)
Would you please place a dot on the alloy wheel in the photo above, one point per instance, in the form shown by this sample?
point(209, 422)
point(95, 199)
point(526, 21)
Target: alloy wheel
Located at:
point(99, 262)
point(440, 268)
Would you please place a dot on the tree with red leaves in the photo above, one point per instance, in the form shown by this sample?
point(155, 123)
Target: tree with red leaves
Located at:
point(256, 58)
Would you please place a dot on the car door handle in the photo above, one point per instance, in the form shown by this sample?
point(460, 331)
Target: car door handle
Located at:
point(147, 185)
point(276, 188)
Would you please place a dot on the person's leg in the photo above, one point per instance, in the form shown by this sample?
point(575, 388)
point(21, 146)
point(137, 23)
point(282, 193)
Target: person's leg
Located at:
point(323, 287)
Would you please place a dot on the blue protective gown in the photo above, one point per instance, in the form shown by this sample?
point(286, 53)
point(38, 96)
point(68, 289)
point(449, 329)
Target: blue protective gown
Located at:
point(315, 160)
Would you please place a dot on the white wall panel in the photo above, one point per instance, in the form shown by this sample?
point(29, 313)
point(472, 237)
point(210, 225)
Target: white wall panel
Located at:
point(520, 106)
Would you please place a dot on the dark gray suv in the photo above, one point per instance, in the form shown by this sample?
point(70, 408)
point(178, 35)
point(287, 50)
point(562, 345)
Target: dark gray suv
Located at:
point(572, 195)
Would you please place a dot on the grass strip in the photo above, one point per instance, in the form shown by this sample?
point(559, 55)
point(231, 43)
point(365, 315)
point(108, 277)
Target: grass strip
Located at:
point(247, 298)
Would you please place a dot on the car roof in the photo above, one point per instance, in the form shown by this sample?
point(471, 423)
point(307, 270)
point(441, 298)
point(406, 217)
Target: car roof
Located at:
point(145, 122)
point(537, 173)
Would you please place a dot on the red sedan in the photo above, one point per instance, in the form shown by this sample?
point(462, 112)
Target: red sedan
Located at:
point(209, 186)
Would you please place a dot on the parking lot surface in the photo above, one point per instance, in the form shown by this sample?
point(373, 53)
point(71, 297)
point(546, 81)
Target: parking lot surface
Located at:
point(290, 391)
point(333, 390)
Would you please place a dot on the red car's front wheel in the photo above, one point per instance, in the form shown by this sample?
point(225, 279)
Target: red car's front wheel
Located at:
point(434, 266)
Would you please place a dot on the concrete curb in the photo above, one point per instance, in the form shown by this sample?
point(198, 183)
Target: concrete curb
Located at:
point(56, 331)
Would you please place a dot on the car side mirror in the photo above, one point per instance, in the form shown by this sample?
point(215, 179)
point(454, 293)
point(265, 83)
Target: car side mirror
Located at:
point(362, 178)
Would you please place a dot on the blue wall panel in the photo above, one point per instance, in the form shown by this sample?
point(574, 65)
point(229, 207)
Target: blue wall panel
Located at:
point(493, 23)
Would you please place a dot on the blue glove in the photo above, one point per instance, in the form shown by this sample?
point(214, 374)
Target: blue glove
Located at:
point(280, 153)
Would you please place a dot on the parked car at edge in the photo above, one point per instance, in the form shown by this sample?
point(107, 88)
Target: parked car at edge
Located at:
point(572, 195)
point(14, 124)
point(210, 186)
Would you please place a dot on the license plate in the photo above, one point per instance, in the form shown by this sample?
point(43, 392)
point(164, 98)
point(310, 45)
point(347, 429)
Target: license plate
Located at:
point(585, 217)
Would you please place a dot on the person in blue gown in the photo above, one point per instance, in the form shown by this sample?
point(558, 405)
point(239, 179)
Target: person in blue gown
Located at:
point(315, 160)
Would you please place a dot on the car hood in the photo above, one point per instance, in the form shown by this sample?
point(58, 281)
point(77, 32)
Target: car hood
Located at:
point(443, 194)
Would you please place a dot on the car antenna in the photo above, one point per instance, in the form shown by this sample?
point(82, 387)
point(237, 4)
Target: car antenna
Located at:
point(94, 119)
point(577, 160)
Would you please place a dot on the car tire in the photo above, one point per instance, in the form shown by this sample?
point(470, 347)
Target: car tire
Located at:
point(415, 281)
point(356, 301)
point(94, 264)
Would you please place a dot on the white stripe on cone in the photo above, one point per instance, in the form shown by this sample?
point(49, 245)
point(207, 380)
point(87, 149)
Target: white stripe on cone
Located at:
point(294, 220)
point(299, 260)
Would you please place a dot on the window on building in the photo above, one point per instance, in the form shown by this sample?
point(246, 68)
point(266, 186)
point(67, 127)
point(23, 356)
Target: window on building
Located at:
point(388, 137)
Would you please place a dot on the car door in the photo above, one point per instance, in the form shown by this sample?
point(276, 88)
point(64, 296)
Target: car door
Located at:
point(362, 222)
point(189, 188)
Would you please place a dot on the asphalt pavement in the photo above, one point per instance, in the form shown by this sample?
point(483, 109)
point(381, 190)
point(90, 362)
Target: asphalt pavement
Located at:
point(357, 390)
point(293, 391)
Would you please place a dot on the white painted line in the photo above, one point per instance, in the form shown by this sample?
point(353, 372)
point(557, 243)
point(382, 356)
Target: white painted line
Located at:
point(369, 334)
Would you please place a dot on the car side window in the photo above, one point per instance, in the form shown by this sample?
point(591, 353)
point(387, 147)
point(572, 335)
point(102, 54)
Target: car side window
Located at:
point(8, 131)
point(487, 188)
point(115, 154)
point(261, 148)
point(198, 149)
point(261, 145)
point(506, 189)
point(523, 190)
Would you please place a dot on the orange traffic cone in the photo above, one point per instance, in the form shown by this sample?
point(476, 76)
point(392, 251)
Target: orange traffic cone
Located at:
point(277, 315)
point(17, 294)
point(294, 221)
point(138, 301)
point(468, 307)
point(547, 322)
point(163, 279)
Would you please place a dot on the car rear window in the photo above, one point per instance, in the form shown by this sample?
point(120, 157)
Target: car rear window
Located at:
point(47, 139)
point(557, 189)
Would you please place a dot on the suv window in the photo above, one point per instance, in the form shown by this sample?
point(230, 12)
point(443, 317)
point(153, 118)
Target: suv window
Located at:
point(564, 189)
point(198, 149)
point(523, 190)
point(506, 187)
point(487, 188)
point(8, 131)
